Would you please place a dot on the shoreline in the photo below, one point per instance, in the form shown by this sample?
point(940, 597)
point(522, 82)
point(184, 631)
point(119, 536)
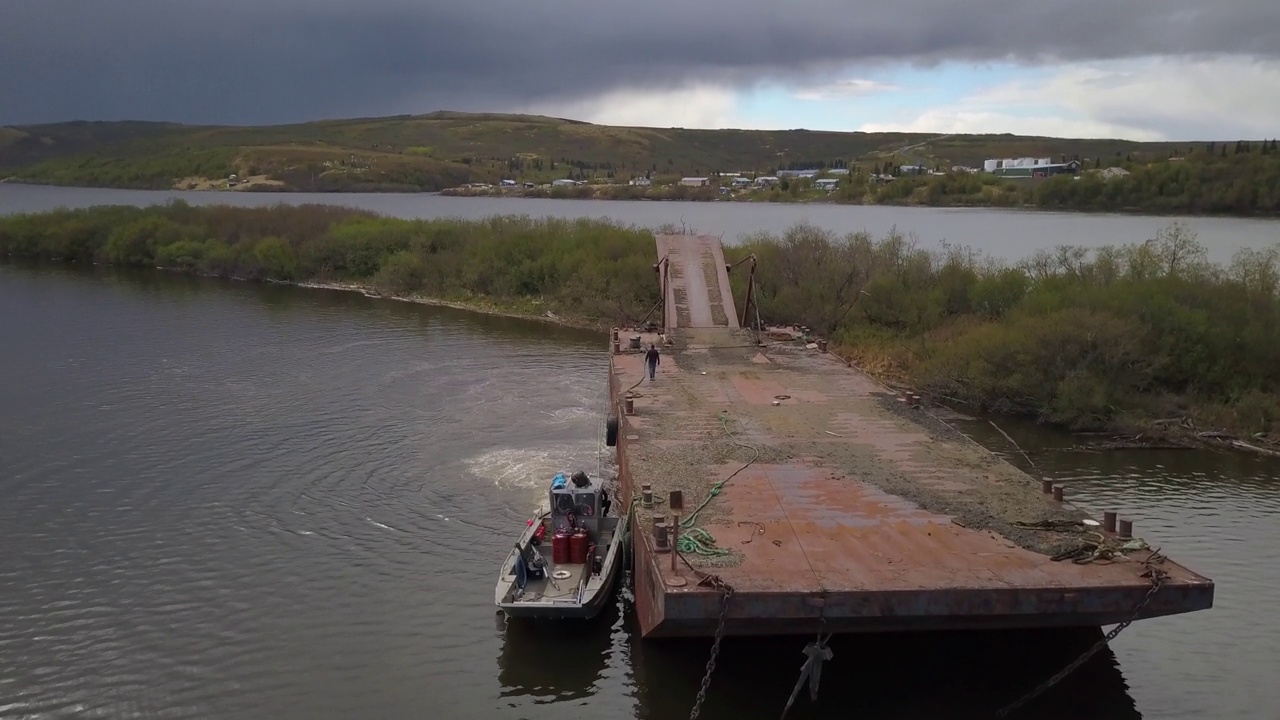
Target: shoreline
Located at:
point(1022, 208)
point(489, 308)
point(589, 273)
point(1157, 435)
point(1180, 433)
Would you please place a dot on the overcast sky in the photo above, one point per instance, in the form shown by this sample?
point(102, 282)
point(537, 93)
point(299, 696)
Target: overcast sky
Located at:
point(1144, 69)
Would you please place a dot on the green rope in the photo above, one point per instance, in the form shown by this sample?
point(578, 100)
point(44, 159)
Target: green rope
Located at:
point(694, 539)
point(699, 542)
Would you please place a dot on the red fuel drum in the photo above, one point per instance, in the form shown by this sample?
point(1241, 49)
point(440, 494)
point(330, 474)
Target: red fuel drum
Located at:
point(560, 548)
point(578, 547)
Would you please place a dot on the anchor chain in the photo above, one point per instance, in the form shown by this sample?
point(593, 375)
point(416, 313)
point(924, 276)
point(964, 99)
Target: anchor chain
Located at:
point(715, 582)
point(1157, 577)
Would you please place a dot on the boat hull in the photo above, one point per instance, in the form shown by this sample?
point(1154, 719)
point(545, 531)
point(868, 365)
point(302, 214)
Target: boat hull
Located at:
point(548, 600)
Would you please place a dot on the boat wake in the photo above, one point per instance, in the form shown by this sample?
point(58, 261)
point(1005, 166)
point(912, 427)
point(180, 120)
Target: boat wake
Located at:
point(533, 467)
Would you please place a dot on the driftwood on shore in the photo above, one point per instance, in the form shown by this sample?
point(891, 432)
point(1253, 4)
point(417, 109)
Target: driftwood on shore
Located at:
point(1235, 442)
point(1126, 444)
point(1182, 441)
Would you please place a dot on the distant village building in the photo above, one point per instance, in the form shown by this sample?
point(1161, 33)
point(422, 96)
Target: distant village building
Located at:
point(641, 182)
point(741, 182)
point(694, 181)
point(1006, 163)
point(797, 173)
point(838, 171)
point(564, 182)
point(1112, 173)
point(912, 169)
point(827, 184)
point(1041, 168)
point(766, 181)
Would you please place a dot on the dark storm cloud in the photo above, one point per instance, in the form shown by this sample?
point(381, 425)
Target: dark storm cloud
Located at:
point(256, 61)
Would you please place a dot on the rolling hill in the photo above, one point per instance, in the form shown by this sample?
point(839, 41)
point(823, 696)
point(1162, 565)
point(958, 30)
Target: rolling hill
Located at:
point(445, 149)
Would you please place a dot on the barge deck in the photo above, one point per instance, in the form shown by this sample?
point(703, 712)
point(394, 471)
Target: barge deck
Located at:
point(835, 505)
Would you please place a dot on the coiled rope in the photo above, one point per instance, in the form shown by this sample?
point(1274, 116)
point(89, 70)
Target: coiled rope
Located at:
point(694, 539)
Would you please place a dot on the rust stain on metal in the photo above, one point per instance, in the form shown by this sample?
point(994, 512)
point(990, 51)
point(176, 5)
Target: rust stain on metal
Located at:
point(895, 519)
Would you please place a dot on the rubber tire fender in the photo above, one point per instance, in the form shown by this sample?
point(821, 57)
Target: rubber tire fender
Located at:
point(611, 432)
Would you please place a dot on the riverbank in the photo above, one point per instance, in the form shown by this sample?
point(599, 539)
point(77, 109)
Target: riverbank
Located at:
point(1244, 184)
point(1010, 201)
point(1014, 199)
point(1139, 341)
point(527, 311)
point(593, 271)
point(881, 362)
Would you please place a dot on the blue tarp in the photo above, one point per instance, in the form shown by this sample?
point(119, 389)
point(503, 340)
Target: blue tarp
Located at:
point(559, 481)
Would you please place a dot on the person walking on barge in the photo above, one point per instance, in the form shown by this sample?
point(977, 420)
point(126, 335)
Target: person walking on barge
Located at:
point(651, 359)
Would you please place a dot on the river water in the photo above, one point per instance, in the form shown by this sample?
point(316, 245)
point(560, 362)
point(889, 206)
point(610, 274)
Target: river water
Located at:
point(222, 500)
point(1007, 234)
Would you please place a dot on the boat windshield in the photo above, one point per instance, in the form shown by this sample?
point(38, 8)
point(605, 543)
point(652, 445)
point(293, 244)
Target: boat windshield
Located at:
point(585, 503)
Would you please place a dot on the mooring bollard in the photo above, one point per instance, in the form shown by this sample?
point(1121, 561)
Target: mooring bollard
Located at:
point(1126, 528)
point(659, 537)
point(630, 405)
point(1109, 521)
point(822, 346)
point(1057, 493)
point(676, 503)
point(1046, 486)
point(646, 495)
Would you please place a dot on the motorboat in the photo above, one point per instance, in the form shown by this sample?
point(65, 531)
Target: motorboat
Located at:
point(565, 562)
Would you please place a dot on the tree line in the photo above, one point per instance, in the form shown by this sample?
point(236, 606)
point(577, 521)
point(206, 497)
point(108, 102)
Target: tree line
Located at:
point(588, 269)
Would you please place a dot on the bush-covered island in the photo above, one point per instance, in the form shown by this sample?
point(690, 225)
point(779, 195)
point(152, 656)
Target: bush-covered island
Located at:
point(1149, 337)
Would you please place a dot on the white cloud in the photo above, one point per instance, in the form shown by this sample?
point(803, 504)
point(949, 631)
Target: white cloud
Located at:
point(990, 121)
point(1149, 99)
point(1178, 98)
point(1221, 98)
point(704, 106)
point(843, 89)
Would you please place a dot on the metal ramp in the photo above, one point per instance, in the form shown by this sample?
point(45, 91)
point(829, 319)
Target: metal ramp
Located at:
point(695, 283)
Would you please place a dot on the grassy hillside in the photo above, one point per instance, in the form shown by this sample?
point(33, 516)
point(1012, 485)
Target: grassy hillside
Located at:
point(445, 149)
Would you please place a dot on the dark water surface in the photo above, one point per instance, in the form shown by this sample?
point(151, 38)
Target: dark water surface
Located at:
point(221, 500)
point(1008, 234)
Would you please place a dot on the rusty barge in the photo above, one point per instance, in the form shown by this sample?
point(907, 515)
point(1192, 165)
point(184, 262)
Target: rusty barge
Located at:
point(826, 502)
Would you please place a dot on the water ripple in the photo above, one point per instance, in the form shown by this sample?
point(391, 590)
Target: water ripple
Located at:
point(229, 501)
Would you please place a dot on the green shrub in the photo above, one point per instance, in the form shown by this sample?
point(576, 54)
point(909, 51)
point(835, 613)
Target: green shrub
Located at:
point(402, 273)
